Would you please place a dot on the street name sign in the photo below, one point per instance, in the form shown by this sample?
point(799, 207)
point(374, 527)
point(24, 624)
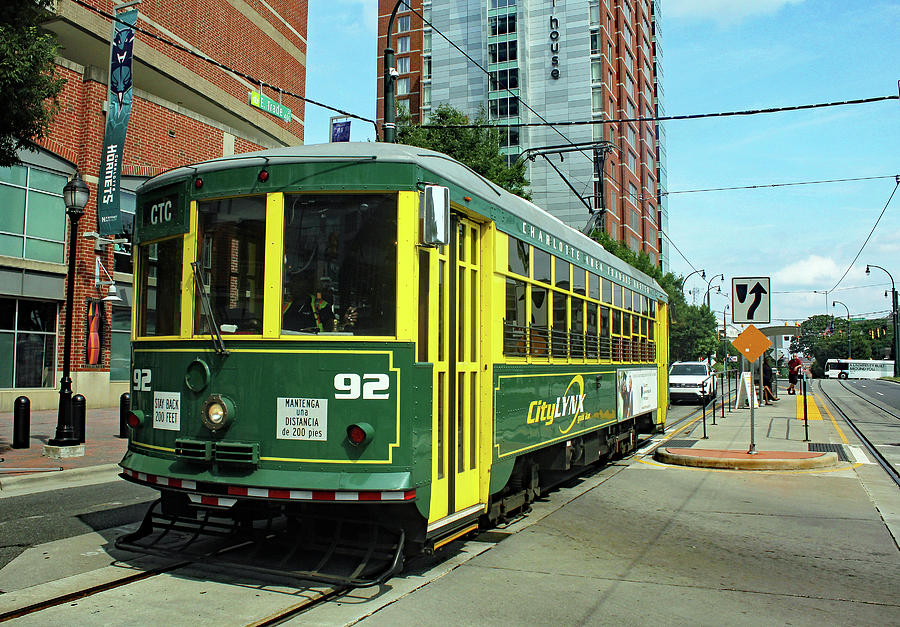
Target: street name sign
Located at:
point(262, 101)
point(751, 343)
point(750, 300)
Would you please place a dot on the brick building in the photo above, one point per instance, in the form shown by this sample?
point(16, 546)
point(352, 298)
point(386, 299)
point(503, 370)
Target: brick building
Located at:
point(184, 110)
point(569, 60)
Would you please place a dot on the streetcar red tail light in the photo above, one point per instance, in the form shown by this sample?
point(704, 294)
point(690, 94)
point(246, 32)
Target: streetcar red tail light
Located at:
point(198, 182)
point(263, 176)
point(135, 418)
point(359, 434)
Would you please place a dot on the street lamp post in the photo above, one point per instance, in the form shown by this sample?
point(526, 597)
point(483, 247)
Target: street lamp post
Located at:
point(849, 352)
point(389, 126)
point(75, 195)
point(709, 287)
point(683, 283)
point(896, 319)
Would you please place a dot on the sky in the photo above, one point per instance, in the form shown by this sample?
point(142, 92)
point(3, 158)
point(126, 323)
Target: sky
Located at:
point(732, 55)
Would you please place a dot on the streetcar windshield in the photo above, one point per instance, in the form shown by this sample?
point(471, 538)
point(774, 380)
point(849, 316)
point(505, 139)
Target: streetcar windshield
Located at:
point(340, 261)
point(232, 235)
point(159, 288)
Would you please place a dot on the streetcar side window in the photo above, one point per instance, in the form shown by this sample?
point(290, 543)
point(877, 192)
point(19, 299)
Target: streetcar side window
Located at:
point(232, 238)
point(159, 288)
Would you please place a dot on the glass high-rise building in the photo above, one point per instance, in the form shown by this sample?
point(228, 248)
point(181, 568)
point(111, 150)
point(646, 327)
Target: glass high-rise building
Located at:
point(560, 60)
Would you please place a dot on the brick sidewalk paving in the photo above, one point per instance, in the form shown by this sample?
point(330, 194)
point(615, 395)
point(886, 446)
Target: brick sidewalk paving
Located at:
point(102, 446)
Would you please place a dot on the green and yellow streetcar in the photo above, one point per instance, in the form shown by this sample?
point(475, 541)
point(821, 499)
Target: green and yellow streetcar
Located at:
point(374, 336)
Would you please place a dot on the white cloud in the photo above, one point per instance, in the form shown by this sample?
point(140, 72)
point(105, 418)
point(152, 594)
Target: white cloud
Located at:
point(725, 12)
point(815, 271)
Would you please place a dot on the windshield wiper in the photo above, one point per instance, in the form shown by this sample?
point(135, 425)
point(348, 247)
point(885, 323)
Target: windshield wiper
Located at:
point(214, 333)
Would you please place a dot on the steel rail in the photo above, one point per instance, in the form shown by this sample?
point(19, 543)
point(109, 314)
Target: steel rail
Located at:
point(870, 447)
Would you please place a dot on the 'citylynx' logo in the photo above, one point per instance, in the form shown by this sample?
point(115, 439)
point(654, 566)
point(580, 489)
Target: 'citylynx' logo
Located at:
point(567, 408)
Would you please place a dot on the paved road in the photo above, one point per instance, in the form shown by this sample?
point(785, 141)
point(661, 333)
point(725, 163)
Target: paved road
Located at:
point(42, 517)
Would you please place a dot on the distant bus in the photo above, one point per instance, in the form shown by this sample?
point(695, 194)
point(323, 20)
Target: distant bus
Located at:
point(858, 368)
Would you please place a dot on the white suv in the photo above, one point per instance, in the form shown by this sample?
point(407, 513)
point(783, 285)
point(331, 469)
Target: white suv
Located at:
point(691, 380)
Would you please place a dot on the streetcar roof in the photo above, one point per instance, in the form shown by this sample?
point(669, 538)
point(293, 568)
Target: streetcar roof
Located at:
point(440, 164)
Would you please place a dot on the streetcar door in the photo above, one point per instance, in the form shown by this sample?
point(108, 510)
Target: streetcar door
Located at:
point(457, 298)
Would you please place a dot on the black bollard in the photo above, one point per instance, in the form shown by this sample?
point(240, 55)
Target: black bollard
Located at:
point(124, 408)
point(21, 422)
point(78, 411)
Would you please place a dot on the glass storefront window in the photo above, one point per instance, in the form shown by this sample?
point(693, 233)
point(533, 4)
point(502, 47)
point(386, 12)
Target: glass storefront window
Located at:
point(27, 343)
point(120, 344)
point(340, 261)
point(33, 216)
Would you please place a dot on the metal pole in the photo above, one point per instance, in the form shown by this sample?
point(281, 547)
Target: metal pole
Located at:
point(896, 332)
point(65, 433)
point(729, 392)
point(389, 125)
point(704, 420)
point(805, 416)
point(752, 450)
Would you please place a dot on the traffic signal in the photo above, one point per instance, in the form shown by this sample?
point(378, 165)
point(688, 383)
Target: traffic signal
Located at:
point(872, 333)
point(882, 331)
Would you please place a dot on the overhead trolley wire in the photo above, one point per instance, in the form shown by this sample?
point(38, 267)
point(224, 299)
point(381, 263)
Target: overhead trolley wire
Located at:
point(766, 185)
point(691, 116)
point(211, 61)
point(869, 236)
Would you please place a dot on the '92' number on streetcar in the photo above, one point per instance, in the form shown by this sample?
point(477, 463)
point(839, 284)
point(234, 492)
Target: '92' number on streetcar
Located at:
point(368, 386)
point(141, 380)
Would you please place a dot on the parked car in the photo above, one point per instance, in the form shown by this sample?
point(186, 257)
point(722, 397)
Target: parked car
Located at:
point(692, 381)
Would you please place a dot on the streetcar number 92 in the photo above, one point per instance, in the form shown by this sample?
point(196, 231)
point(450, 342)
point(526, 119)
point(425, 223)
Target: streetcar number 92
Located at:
point(368, 386)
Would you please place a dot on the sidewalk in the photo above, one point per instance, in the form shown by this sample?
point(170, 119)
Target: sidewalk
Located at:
point(780, 438)
point(103, 448)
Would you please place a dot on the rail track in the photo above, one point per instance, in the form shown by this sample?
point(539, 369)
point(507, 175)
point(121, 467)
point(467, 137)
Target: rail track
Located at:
point(885, 464)
point(325, 593)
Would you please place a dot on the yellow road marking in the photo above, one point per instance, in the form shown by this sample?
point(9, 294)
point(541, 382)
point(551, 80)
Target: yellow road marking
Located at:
point(812, 410)
point(834, 422)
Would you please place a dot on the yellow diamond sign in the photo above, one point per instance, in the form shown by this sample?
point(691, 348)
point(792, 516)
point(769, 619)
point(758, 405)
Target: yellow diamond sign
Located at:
point(752, 343)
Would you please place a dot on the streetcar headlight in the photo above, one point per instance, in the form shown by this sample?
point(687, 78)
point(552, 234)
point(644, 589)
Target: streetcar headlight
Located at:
point(217, 412)
point(135, 418)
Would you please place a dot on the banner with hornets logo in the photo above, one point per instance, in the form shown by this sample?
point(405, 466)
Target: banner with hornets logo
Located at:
point(109, 218)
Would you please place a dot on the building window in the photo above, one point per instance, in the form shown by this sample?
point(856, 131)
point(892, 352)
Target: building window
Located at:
point(403, 24)
point(504, 108)
point(502, 4)
point(635, 222)
point(502, 24)
point(596, 70)
point(120, 344)
point(504, 79)
point(426, 41)
point(503, 51)
point(632, 161)
point(597, 99)
point(28, 339)
point(595, 13)
point(403, 65)
point(635, 244)
point(32, 214)
point(122, 260)
point(426, 95)
point(402, 44)
point(426, 67)
point(402, 86)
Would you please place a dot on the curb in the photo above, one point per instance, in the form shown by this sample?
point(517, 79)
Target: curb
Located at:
point(820, 460)
point(31, 481)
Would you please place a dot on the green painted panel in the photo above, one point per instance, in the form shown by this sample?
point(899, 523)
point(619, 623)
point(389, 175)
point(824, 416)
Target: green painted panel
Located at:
point(162, 214)
point(323, 390)
point(536, 405)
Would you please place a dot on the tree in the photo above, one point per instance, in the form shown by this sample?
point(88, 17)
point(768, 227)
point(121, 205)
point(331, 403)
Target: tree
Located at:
point(478, 148)
point(28, 78)
point(692, 329)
